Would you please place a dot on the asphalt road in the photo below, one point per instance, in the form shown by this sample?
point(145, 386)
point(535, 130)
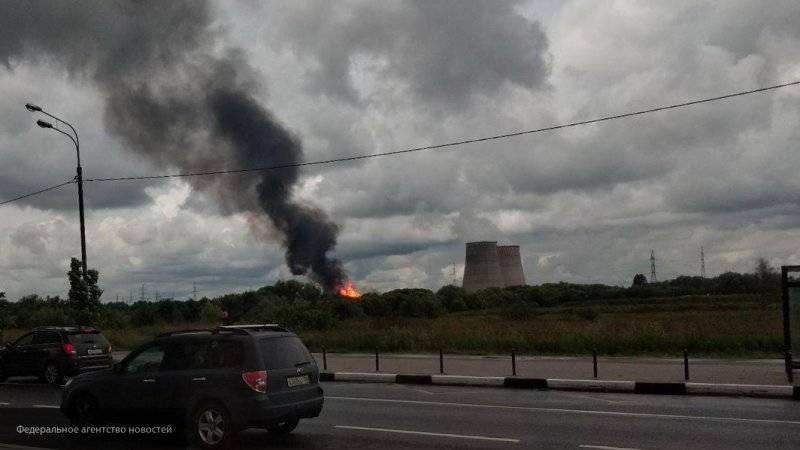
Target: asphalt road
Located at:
point(390, 416)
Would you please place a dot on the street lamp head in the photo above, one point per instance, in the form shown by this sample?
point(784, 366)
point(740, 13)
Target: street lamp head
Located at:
point(33, 108)
point(44, 124)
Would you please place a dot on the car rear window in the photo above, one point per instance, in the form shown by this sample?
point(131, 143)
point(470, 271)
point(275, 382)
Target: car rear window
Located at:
point(87, 339)
point(283, 352)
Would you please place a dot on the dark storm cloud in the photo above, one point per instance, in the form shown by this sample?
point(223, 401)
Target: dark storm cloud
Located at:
point(174, 101)
point(446, 51)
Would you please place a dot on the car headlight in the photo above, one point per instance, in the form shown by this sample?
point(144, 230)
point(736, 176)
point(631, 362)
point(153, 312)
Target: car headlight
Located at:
point(69, 381)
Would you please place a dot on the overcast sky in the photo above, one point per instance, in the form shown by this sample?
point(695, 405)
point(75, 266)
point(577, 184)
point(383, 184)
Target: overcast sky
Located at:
point(357, 77)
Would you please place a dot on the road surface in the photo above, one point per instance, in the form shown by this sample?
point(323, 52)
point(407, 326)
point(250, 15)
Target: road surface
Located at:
point(391, 416)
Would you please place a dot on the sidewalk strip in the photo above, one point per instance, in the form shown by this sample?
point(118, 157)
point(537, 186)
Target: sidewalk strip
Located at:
point(46, 406)
point(426, 433)
point(605, 447)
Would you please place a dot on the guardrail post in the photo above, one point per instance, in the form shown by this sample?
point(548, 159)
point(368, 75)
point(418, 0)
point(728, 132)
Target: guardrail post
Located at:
point(594, 362)
point(513, 363)
point(686, 365)
point(377, 362)
point(441, 362)
point(324, 360)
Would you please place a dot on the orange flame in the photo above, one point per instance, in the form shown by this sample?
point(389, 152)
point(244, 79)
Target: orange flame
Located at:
point(348, 289)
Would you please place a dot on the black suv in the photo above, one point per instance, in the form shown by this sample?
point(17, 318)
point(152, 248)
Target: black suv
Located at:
point(52, 353)
point(211, 383)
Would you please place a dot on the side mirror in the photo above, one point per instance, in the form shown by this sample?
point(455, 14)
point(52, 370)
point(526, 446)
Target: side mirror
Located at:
point(117, 368)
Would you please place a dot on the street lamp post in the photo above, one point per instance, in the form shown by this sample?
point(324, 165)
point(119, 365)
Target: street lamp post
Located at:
point(79, 177)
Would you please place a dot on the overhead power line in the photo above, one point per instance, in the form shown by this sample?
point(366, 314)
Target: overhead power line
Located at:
point(40, 191)
point(449, 144)
point(416, 149)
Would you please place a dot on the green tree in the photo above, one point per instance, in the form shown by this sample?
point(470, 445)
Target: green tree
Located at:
point(639, 280)
point(84, 294)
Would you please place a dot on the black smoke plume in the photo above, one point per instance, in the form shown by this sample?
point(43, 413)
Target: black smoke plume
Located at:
point(179, 100)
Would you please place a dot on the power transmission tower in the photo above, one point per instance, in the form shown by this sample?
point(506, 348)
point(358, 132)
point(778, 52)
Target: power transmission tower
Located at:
point(130, 296)
point(194, 291)
point(653, 278)
point(117, 297)
point(157, 299)
point(702, 262)
point(454, 275)
point(141, 297)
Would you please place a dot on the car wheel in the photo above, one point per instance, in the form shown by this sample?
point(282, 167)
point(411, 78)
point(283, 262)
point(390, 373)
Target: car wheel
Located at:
point(52, 374)
point(83, 410)
point(211, 426)
point(285, 427)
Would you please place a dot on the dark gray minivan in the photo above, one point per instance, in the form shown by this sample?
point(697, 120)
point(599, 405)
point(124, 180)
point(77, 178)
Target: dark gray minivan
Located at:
point(212, 383)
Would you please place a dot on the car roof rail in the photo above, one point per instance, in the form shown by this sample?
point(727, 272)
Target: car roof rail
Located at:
point(172, 333)
point(255, 328)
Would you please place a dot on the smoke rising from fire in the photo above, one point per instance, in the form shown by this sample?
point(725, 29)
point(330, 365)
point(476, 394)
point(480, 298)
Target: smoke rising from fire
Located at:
point(177, 99)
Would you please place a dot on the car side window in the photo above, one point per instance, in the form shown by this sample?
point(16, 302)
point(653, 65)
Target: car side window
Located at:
point(24, 340)
point(225, 354)
point(147, 361)
point(46, 337)
point(185, 355)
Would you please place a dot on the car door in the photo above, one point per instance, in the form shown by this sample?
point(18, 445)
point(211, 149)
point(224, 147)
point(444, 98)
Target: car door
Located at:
point(136, 391)
point(46, 346)
point(180, 374)
point(19, 356)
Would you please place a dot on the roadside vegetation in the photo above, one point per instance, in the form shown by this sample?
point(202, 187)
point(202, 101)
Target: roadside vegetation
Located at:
point(729, 315)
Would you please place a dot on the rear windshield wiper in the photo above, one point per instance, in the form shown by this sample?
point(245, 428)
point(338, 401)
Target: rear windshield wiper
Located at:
point(302, 363)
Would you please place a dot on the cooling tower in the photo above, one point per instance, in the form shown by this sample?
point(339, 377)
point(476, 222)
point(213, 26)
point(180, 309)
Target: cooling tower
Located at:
point(510, 265)
point(482, 266)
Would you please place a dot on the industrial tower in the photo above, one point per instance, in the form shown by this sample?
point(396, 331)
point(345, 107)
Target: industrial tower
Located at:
point(653, 278)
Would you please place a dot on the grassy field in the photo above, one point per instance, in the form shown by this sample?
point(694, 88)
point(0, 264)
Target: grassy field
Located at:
point(703, 326)
point(726, 326)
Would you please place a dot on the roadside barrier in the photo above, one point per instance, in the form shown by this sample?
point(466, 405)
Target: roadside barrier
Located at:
point(619, 386)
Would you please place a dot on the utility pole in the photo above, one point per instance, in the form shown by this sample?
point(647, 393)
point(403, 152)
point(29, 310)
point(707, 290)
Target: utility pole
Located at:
point(653, 278)
point(702, 262)
point(117, 297)
point(79, 170)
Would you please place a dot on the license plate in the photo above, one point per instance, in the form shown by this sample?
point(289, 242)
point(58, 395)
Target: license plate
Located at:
point(94, 351)
point(298, 381)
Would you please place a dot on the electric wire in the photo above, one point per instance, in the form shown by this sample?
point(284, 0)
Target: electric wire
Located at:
point(449, 144)
point(41, 191)
point(415, 149)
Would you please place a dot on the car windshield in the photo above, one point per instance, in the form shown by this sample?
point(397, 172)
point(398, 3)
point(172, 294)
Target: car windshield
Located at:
point(284, 352)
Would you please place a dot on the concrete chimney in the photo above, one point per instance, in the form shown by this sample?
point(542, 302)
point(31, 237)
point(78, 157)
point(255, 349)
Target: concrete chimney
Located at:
point(510, 265)
point(482, 266)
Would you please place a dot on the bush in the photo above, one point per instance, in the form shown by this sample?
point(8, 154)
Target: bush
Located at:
point(588, 314)
point(211, 313)
point(452, 298)
point(47, 317)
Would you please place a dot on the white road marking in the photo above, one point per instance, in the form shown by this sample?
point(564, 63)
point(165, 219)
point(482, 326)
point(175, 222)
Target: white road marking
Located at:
point(567, 411)
point(426, 433)
point(45, 406)
point(605, 447)
point(589, 397)
point(22, 447)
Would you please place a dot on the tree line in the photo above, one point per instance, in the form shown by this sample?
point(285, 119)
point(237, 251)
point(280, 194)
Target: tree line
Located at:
point(304, 306)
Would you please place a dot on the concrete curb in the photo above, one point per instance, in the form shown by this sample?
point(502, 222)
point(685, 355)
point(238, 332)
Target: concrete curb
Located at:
point(634, 387)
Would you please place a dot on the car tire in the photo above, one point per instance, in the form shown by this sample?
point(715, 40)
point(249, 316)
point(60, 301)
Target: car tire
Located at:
point(285, 427)
point(52, 374)
point(211, 426)
point(83, 410)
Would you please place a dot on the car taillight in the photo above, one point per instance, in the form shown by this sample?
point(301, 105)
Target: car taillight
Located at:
point(108, 348)
point(256, 380)
point(68, 348)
